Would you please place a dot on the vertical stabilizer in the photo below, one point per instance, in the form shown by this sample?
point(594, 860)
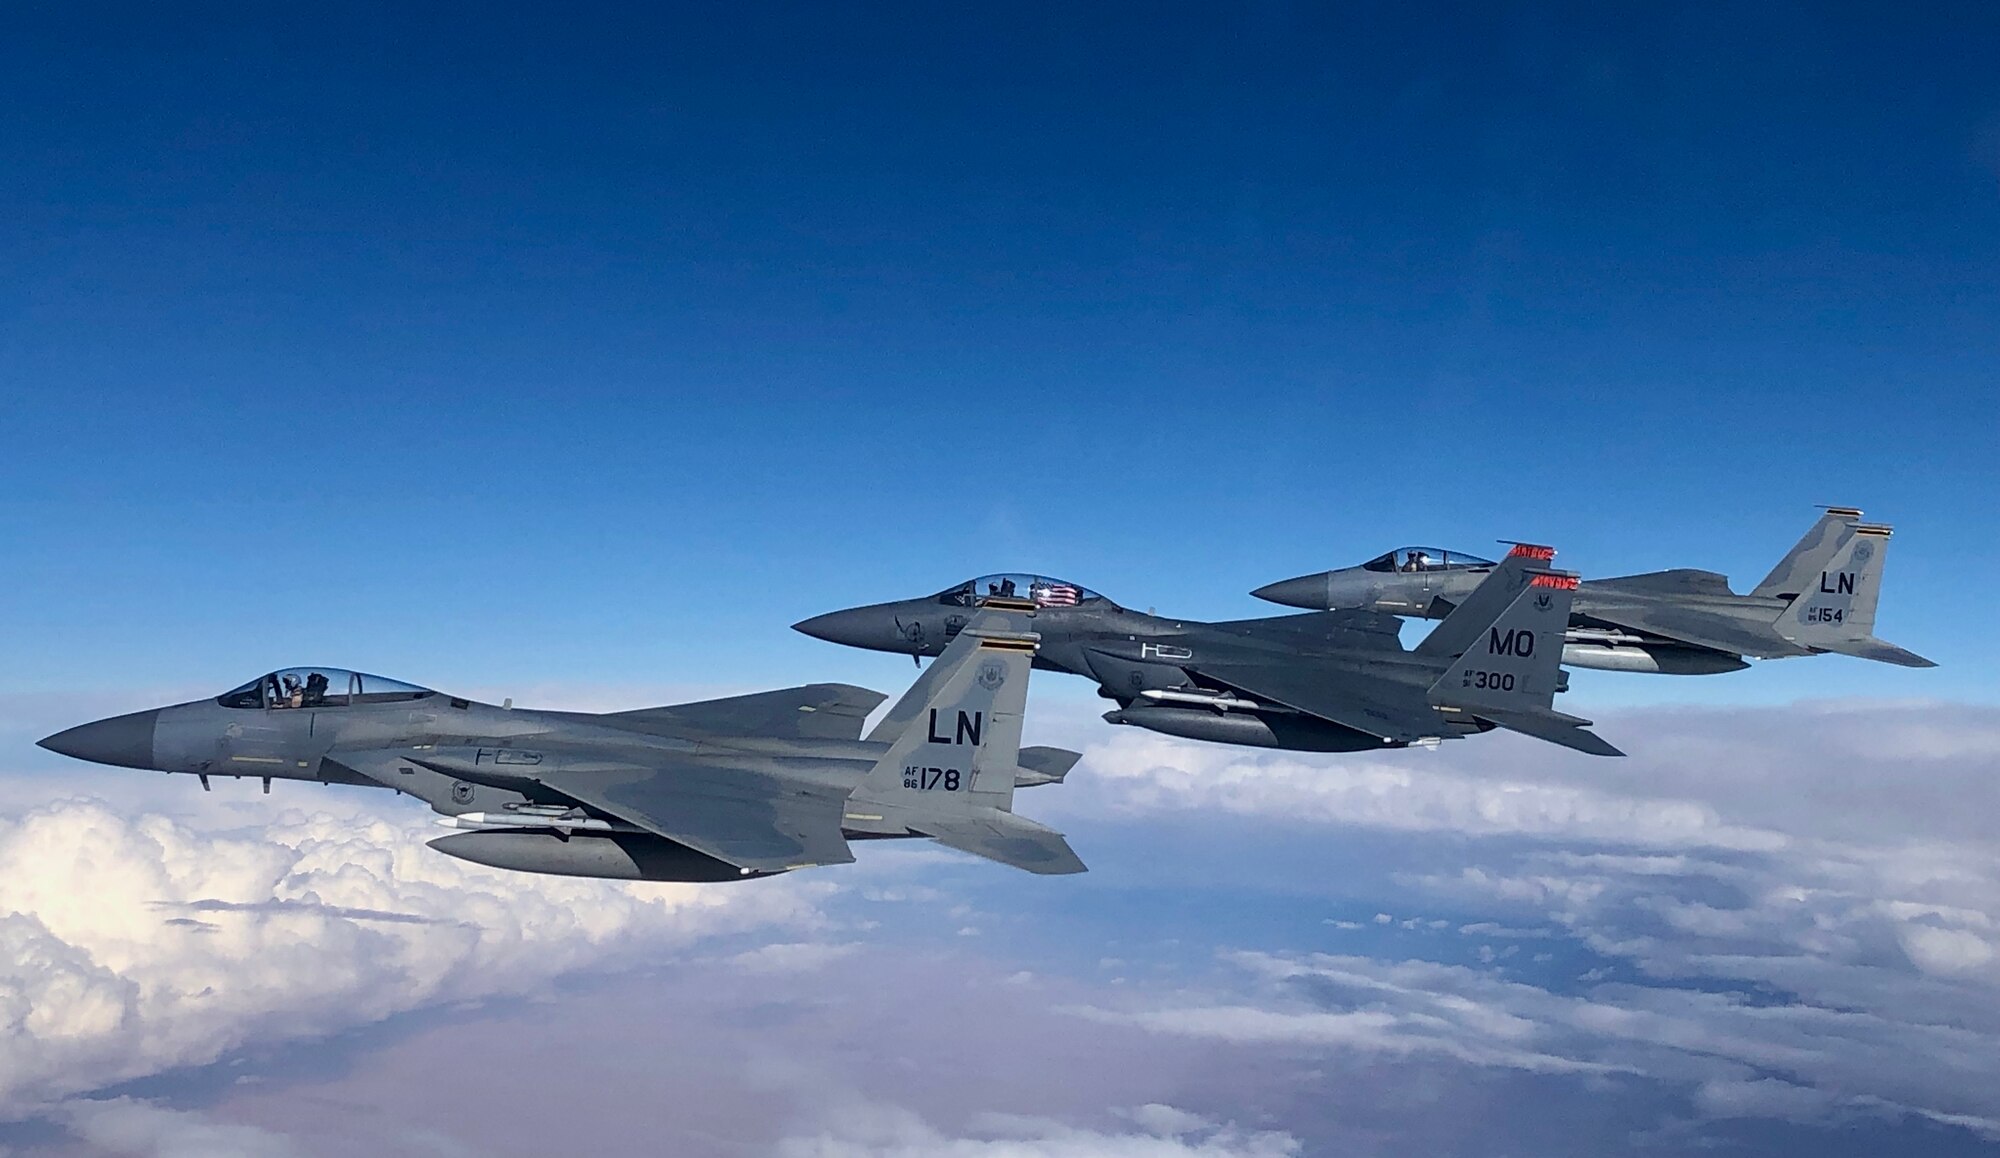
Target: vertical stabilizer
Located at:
point(1838, 600)
point(1512, 671)
point(1516, 661)
point(1801, 565)
point(1836, 611)
point(955, 748)
point(958, 733)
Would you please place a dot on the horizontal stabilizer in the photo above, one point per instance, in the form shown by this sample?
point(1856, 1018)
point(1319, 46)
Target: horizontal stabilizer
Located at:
point(1881, 650)
point(1680, 581)
point(1044, 765)
point(1555, 727)
point(1009, 839)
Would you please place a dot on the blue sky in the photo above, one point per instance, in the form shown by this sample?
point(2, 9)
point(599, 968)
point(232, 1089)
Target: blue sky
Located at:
point(474, 341)
point(574, 355)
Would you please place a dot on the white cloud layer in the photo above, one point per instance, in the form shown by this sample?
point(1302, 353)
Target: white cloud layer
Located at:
point(128, 1126)
point(133, 945)
point(1400, 791)
point(866, 1130)
point(1793, 914)
point(1787, 915)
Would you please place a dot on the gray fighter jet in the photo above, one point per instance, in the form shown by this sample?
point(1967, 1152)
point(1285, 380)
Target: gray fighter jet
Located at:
point(1336, 681)
point(718, 790)
point(1819, 598)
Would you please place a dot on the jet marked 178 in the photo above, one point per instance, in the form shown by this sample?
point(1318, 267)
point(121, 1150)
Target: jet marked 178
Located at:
point(718, 790)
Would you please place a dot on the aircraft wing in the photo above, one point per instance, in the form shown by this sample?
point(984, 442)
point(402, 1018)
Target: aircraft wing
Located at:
point(1349, 628)
point(812, 712)
point(1680, 581)
point(749, 818)
point(1682, 625)
point(1393, 711)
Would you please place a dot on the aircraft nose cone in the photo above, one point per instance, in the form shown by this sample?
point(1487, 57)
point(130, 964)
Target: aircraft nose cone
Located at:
point(853, 627)
point(1307, 591)
point(126, 741)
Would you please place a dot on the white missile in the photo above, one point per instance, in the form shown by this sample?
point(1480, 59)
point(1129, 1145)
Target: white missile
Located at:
point(487, 821)
point(1219, 702)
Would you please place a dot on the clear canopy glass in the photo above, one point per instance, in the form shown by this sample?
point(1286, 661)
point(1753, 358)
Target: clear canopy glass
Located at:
point(319, 687)
point(1041, 590)
point(1411, 559)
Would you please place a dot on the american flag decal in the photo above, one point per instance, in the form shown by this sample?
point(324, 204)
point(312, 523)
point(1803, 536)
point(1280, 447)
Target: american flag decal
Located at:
point(1056, 595)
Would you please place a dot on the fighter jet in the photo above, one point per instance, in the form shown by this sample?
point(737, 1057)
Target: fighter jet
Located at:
point(1819, 598)
point(1335, 681)
point(719, 790)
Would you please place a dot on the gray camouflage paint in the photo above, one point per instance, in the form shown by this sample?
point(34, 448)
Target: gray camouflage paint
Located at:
point(1677, 622)
point(1336, 681)
point(715, 790)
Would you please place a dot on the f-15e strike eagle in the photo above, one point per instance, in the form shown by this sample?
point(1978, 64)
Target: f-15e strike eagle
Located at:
point(1819, 598)
point(719, 790)
point(1334, 681)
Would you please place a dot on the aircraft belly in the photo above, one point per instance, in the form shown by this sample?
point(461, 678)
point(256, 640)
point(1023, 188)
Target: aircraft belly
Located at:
point(446, 794)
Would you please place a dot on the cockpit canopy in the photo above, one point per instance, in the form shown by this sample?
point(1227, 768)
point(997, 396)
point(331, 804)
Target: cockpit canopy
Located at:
point(319, 687)
point(1425, 559)
point(1039, 589)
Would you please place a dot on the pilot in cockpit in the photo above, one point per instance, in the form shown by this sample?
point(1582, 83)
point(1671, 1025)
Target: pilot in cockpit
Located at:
point(294, 694)
point(315, 690)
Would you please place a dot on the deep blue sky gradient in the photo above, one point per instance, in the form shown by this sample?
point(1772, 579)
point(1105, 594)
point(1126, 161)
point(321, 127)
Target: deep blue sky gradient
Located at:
point(475, 343)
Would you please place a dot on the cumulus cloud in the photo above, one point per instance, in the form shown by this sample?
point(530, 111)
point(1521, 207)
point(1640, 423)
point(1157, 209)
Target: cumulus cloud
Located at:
point(1788, 915)
point(133, 945)
point(867, 1130)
